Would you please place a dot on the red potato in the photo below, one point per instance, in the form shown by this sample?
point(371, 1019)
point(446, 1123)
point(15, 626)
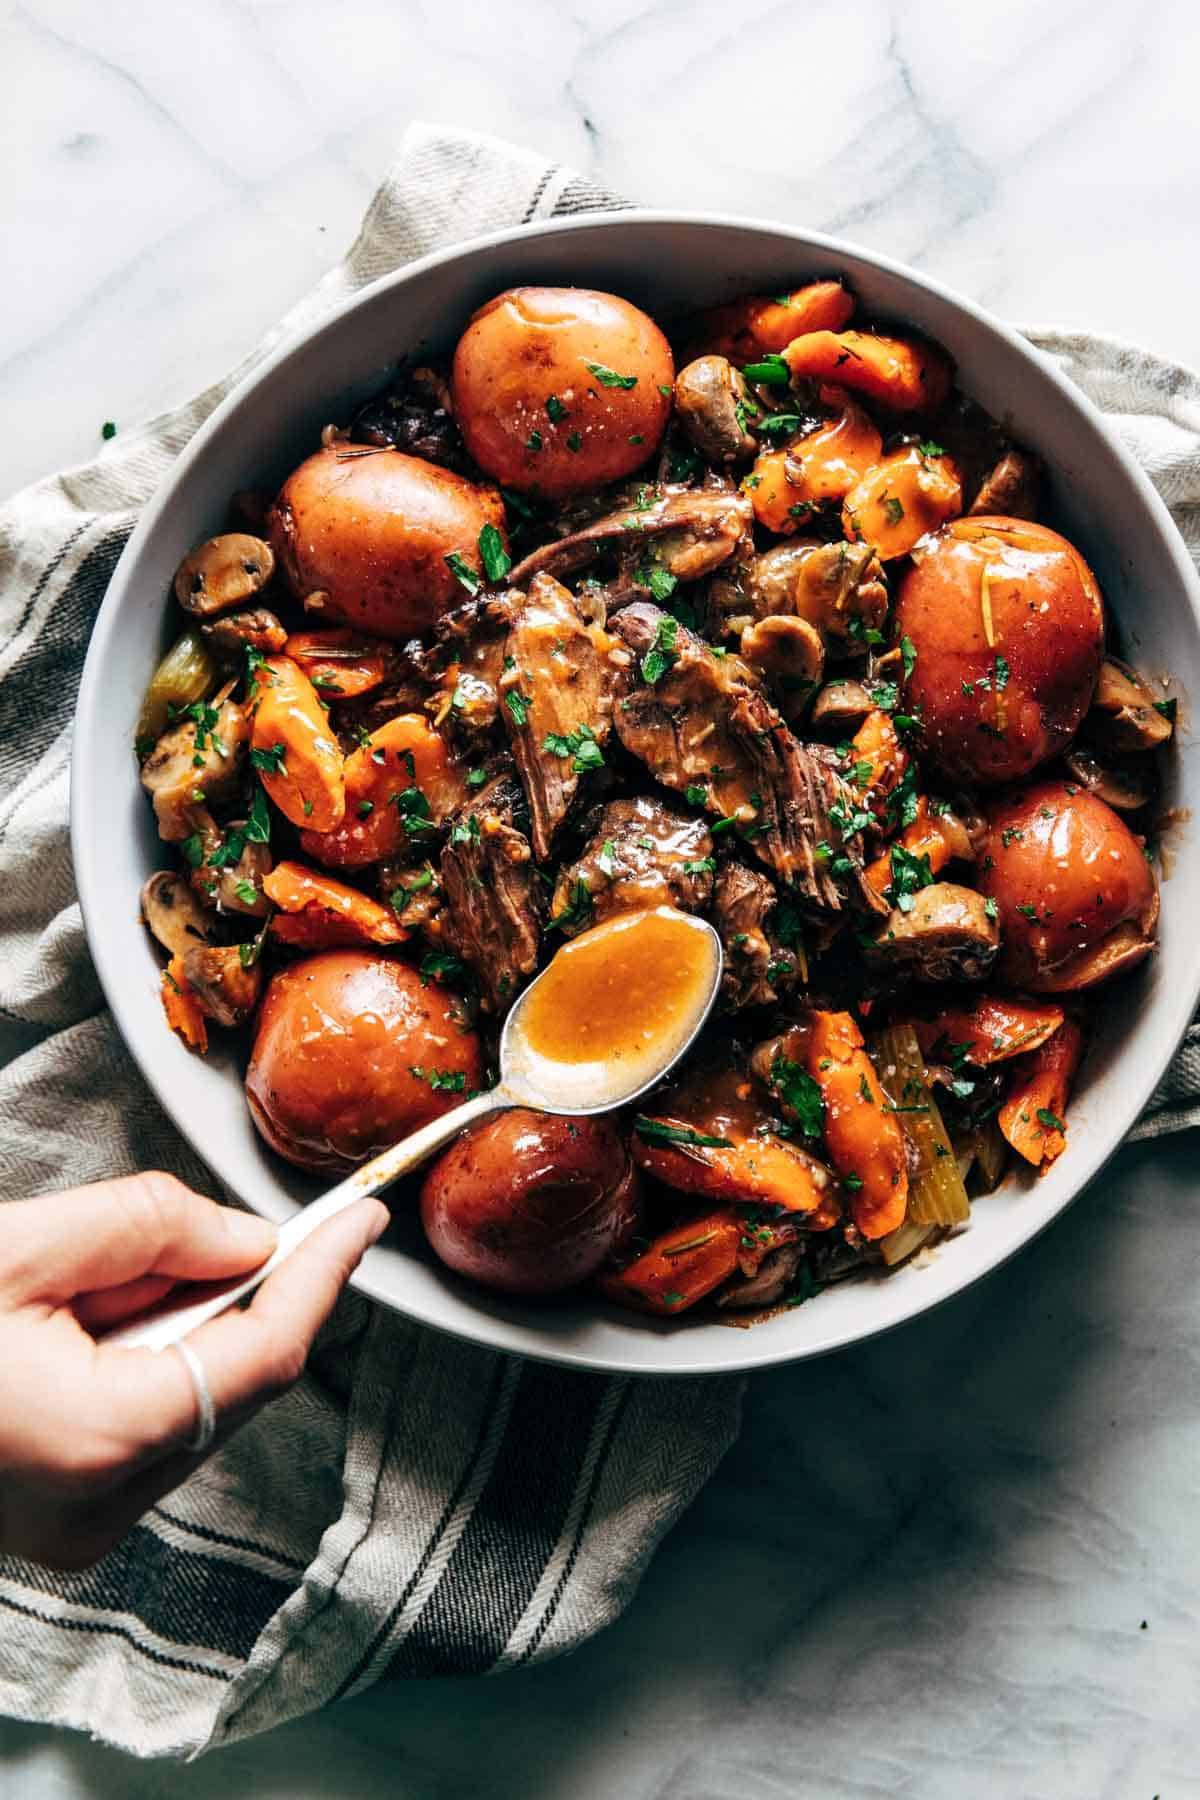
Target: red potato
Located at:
point(1075, 896)
point(352, 1053)
point(1008, 627)
point(363, 535)
point(531, 1203)
point(535, 415)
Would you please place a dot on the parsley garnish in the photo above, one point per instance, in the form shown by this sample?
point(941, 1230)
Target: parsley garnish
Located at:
point(929, 448)
point(771, 371)
point(413, 808)
point(518, 707)
point(476, 777)
point(609, 378)
point(574, 442)
point(581, 745)
point(439, 965)
point(779, 424)
point(655, 1131)
point(578, 911)
point(192, 849)
point(555, 410)
point(272, 761)
point(534, 441)
point(662, 655)
point(108, 430)
point(1050, 1120)
point(463, 573)
point(909, 874)
point(800, 1094)
point(246, 892)
point(466, 831)
point(704, 866)
point(494, 557)
point(908, 655)
point(660, 581)
point(893, 509)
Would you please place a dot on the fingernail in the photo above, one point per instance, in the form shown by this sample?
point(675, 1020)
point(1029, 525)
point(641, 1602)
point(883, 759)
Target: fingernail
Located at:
point(380, 1222)
point(251, 1233)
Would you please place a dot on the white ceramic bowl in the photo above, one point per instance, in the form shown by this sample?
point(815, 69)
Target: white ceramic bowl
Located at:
point(666, 262)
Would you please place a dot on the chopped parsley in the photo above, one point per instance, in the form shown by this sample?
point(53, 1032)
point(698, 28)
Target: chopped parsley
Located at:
point(1167, 708)
point(439, 965)
point(695, 795)
point(494, 557)
point(909, 875)
point(518, 707)
point(192, 849)
point(580, 745)
point(779, 424)
point(660, 581)
point(578, 910)
point(534, 441)
point(466, 831)
point(574, 442)
point(908, 655)
point(609, 378)
point(555, 410)
point(704, 866)
point(1050, 1120)
point(476, 777)
point(400, 897)
point(108, 430)
point(1029, 911)
point(770, 371)
point(606, 861)
point(929, 448)
point(246, 892)
point(892, 508)
point(800, 1094)
point(990, 908)
point(413, 808)
point(272, 761)
point(463, 573)
point(662, 655)
point(655, 1131)
point(448, 1080)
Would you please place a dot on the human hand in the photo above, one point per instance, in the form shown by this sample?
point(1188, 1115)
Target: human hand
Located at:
point(92, 1435)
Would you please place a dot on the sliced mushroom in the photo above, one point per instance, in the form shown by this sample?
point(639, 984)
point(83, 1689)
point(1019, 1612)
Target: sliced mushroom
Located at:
point(1124, 715)
point(224, 572)
point(237, 887)
point(258, 627)
point(196, 763)
point(174, 915)
point(946, 935)
point(226, 989)
point(790, 653)
point(838, 588)
point(769, 1283)
point(1126, 783)
point(1124, 947)
point(841, 706)
point(711, 403)
point(1012, 489)
point(702, 529)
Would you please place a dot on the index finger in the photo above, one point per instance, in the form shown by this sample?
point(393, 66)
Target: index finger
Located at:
point(248, 1356)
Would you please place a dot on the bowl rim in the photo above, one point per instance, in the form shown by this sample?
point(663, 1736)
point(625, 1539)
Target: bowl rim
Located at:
point(1179, 1004)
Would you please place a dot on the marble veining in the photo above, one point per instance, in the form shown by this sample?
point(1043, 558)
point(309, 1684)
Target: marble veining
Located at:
point(964, 1560)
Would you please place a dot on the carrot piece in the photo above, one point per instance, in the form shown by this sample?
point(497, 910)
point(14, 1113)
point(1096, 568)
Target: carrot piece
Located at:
point(862, 1135)
point(877, 743)
point(787, 486)
point(926, 836)
point(681, 1266)
point(297, 757)
point(762, 324)
point(400, 784)
point(317, 912)
point(1032, 1118)
point(182, 1008)
point(904, 496)
point(340, 663)
point(904, 374)
point(994, 1027)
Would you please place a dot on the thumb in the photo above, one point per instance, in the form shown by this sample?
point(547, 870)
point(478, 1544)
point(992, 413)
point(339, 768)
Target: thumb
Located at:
point(115, 1231)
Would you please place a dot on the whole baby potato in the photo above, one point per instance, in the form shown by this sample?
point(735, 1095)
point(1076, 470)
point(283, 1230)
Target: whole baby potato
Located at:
point(558, 390)
point(531, 1203)
point(1076, 899)
point(1007, 625)
point(369, 531)
point(353, 1053)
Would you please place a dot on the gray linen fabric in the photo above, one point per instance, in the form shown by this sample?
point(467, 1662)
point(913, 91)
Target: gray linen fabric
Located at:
point(415, 1506)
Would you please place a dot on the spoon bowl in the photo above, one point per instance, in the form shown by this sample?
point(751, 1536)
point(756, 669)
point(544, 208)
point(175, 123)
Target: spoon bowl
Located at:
point(608, 1016)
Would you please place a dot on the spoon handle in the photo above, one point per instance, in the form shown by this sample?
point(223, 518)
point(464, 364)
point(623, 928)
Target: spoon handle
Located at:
point(178, 1315)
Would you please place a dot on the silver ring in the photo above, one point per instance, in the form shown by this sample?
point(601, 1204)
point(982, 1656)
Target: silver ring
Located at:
point(206, 1412)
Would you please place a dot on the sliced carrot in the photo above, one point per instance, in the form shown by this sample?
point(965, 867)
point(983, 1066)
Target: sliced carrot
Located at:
point(901, 373)
point(787, 486)
point(681, 1266)
point(876, 744)
point(182, 1007)
point(993, 1028)
point(901, 498)
point(763, 324)
point(1033, 1118)
point(317, 912)
point(298, 759)
point(400, 785)
point(862, 1135)
point(777, 504)
point(926, 836)
point(341, 664)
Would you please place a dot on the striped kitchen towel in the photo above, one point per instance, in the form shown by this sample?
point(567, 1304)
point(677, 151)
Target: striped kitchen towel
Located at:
point(414, 1506)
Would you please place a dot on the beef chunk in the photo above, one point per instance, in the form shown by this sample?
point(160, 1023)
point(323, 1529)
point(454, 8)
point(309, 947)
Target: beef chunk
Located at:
point(488, 881)
point(642, 852)
point(556, 691)
point(702, 725)
point(684, 533)
point(746, 912)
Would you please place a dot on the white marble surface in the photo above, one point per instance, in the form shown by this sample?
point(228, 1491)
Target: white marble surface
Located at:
point(965, 1560)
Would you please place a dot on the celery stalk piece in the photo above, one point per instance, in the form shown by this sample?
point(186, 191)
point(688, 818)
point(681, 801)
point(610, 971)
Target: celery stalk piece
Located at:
point(936, 1193)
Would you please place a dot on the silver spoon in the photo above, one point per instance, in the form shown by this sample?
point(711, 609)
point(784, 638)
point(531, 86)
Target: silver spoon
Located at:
point(527, 1078)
